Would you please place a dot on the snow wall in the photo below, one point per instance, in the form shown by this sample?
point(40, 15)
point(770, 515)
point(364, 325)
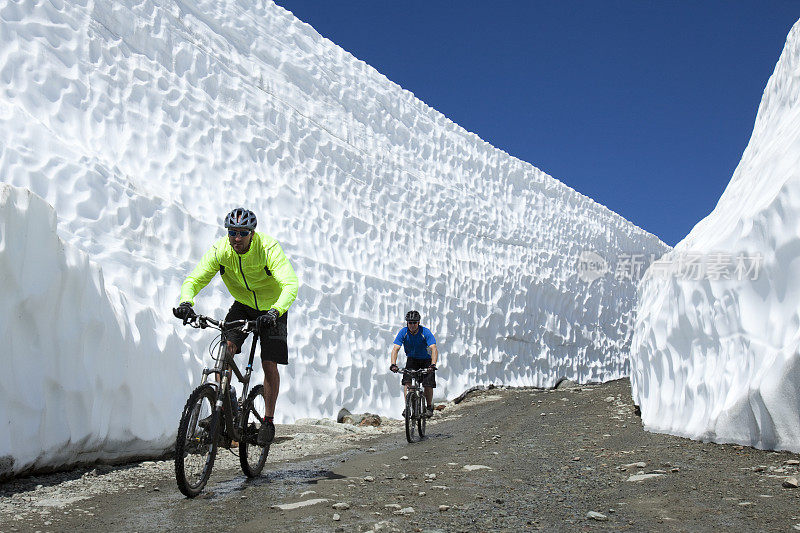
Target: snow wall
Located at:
point(143, 122)
point(715, 346)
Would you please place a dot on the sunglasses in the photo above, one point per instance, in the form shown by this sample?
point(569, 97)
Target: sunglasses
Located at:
point(234, 233)
point(412, 323)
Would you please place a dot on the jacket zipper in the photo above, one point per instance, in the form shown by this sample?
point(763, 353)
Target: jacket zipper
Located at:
point(241, 269)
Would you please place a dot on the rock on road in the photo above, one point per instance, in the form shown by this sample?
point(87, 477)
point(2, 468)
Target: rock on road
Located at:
point(502, 460)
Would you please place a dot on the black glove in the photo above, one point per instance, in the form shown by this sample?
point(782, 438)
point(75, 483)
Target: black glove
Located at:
point(394, 368)
point(432, 367)
point(268, 319)
point(185, 312)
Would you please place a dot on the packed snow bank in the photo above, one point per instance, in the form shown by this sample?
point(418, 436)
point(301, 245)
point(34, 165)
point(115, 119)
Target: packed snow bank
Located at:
point(77, 383)
point(143, 122)
point(715, 349)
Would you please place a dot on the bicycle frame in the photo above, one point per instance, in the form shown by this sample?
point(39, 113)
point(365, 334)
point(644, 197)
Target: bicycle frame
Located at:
point(199, 439)
point(225, 366)
point(414, 388)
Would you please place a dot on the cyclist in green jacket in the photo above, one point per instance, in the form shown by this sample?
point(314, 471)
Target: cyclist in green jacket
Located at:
point(263, 284)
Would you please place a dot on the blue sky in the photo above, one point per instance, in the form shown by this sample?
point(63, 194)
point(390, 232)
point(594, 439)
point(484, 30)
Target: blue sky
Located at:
point(645, 106)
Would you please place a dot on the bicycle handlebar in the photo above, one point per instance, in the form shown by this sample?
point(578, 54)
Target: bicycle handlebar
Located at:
point(419, 371)
point(202, 322)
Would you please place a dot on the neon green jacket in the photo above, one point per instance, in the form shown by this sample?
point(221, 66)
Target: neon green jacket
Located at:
point(260, 278)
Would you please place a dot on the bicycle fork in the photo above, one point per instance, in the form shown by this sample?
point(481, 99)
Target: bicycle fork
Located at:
point(225, 407)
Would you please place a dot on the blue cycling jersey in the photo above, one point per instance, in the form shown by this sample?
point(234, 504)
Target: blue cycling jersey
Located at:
point(415, 346)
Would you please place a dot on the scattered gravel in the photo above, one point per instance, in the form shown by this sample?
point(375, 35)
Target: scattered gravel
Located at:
point(488, 463)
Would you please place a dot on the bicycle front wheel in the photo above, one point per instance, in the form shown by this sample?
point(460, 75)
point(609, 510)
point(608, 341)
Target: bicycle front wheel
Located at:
point(252, 456)
point(196, 446)
point(409, 416)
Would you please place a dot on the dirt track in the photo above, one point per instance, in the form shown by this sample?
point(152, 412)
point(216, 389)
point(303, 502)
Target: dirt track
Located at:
point(550, 458)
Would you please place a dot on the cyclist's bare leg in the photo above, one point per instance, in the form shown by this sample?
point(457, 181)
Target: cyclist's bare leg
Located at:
point(272, 383)
point(429, 396)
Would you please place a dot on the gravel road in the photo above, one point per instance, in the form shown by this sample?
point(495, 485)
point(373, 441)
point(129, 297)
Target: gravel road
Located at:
point(571, 459)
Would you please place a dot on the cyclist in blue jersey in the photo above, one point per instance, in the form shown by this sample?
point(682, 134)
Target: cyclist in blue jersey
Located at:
point(416, 340)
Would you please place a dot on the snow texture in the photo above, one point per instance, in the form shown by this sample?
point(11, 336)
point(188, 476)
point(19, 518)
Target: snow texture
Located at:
point(717, 359)
point(143, 122)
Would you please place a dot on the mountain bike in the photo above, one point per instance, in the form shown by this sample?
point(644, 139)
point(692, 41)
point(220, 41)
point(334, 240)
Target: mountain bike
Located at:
point(414, 413)
point(212, 417)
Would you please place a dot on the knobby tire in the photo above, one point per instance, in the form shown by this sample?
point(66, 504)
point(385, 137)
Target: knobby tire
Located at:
point(252, 456)
point(421, 414)
point(193, 442)
point(409, 416)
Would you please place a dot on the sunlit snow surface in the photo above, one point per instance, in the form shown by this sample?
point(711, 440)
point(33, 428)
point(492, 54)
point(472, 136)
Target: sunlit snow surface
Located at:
point(718, 359)
point(142, 123)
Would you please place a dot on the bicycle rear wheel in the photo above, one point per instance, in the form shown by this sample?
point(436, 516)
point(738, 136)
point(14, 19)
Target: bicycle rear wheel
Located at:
point(409, 416)
point(421, 415)
point(196, 445)
point(252, 456)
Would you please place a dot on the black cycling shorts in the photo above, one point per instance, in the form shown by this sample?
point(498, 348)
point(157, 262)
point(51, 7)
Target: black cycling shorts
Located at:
point(273, 340)
point(428, 380)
